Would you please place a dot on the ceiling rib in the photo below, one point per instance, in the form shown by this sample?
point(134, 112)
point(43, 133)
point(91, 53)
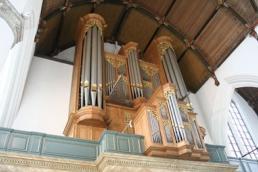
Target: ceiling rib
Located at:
point(254, 5)
point(63, 10)
point(161, 21)
point(118, 27)
point(235, 14)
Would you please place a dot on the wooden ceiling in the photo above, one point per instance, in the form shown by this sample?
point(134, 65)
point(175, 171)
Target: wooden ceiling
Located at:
point(250, 94)
point(204, 32)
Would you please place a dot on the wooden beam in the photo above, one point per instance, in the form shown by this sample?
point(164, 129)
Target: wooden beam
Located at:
point(254, 5)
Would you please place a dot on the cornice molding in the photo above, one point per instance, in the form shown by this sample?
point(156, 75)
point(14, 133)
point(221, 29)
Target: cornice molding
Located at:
point(13, 19)
point(109, 162)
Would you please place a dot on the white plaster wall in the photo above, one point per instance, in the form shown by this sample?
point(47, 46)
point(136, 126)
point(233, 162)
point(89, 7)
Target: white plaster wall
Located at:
point(16, 67)
point(45, 102)
point(239, 70)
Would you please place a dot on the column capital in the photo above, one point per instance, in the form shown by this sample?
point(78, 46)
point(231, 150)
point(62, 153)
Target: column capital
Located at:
point(88, 21)
point(169, 89)
point(129, 46)
point(163, 43)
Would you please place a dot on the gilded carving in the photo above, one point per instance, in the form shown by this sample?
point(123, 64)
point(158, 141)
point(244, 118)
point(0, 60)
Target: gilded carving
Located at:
point(115, 60)
point(149, 68)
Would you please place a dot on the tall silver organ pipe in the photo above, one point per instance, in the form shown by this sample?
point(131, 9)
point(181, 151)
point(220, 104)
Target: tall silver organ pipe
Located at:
point(175, 116)
point(135, 75)
point(91, 69)
point(172, 70)
point(179, 78)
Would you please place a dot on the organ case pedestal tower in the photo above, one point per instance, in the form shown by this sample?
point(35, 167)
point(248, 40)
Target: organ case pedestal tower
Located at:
point(123, 93)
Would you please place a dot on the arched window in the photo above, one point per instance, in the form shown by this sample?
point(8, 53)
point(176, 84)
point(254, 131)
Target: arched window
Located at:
point(241, 143)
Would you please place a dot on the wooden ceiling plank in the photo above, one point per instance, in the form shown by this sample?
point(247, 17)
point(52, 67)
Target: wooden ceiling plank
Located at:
point(170, 7)
point(182, 55)
point(206, 64)
point(55, 49)
point(162, 21)
point(152, 38)
point(207, 22)
point(117, 28)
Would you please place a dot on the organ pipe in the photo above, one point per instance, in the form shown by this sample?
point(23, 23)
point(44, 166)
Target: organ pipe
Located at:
point(171, 67)
point(92, 64)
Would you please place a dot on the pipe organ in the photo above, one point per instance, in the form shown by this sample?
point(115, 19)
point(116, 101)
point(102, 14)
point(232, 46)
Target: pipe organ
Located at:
point(128, 93)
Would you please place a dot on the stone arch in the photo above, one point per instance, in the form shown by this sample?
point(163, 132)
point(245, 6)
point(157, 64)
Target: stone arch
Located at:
point(221, 106)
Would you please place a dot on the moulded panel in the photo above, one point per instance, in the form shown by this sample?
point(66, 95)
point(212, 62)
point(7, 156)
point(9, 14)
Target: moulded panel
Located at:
point(68, 148)
point(4, 136)
point(110, 142)
point(18, 142)
point(123, 144)
point(35, 144)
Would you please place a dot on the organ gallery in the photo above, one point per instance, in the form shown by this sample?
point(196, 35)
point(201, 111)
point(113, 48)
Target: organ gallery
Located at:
point(134, 94)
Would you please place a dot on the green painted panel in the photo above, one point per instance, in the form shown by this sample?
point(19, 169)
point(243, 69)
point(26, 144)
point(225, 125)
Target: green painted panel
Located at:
point(4, 136)
point(18, 142)
point(66, 147)
point(35, 144)
point(69, 148)
point(217, 153)
point(123, 144)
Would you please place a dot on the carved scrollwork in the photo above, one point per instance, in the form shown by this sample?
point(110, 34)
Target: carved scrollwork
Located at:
point(13, 19)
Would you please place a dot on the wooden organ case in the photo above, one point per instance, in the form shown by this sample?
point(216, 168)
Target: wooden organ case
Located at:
point(120, 92)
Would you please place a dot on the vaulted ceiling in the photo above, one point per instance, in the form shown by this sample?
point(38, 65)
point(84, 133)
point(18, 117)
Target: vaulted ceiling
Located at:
point(204, 32)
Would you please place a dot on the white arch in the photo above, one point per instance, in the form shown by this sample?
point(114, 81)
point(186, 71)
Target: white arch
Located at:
point(239, 70)
point(6, 41)
point(220, 112)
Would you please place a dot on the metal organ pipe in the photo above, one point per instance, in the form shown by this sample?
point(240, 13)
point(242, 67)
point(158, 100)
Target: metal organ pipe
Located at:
point(131, 76)
point(178, 74)
point(91, 68)
point(83, 74)
point(138, 73)
point(94, 66)
point(99, 71)
point(88, 68)
point(137, 91)
point(171, 72)
point(135, 75)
